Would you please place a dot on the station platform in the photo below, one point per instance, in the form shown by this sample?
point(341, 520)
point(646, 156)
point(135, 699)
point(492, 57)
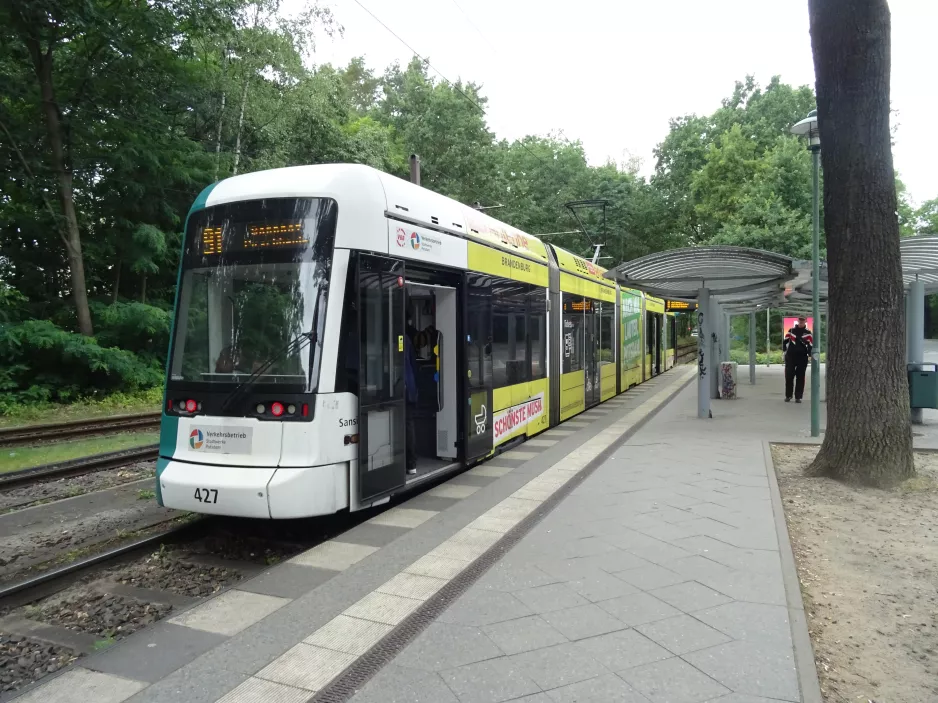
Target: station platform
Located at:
point(635, 553)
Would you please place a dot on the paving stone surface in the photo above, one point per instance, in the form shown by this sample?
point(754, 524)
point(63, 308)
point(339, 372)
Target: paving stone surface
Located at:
point(656, 580)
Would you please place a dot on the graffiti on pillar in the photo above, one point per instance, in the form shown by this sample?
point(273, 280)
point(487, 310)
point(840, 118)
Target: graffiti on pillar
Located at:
point(727, 380)
point(701, 369)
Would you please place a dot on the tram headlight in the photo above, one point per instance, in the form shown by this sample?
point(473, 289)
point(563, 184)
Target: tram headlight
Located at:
point(260, 408)
point(291, 409)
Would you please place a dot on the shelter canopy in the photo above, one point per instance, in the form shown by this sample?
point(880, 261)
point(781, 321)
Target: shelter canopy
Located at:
point(740, 278)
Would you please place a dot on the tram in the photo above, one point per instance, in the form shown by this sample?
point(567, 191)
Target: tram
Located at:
point(285, 389)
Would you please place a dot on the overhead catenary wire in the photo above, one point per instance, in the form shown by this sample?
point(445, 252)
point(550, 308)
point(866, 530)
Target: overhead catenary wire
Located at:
point(445, 79)
point(473, 25)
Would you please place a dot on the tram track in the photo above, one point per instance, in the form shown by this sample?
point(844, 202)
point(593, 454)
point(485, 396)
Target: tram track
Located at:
point(59, 577)
point(31, 434)
point(78, 467)
point(63, 609)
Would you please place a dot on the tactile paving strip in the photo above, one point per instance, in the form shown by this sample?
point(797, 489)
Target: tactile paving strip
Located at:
point(353, 679)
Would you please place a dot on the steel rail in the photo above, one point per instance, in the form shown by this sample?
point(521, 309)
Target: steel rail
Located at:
point(16, 436)
point(77, 467)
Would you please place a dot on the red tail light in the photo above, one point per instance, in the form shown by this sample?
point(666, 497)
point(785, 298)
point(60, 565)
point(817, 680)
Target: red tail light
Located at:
point(276, 409)
point(191, 406)
point(305, 410)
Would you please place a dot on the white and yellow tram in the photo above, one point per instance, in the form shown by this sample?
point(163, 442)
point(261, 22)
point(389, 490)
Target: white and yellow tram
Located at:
point(285, 391)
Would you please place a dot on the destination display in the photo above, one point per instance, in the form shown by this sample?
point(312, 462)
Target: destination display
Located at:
point(679, 306)
point(262, 235)
point(582, 305)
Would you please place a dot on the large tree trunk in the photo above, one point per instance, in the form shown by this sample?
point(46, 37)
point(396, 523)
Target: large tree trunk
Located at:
point(117, 281)
point(244, 102)
point(221, 117)
point(869, 437)
point(42, 64)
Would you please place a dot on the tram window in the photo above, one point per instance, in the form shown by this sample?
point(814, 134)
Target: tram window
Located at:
point(509, 337)
point(573, 330)
point(346, 376)
point(479, 351)
point(376, 339)
point(248, 301)
point(537, 333)
point(607, 354)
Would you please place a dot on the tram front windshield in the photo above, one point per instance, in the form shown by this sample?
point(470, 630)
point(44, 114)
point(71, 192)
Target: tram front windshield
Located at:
point(252, 302)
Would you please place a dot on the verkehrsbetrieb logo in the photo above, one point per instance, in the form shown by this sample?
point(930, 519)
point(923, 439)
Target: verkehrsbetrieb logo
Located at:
point(196, 439)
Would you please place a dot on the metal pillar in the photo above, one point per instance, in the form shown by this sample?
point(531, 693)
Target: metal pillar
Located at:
point(768, 345)
point(716, 312)
point(415, 169)
point(815, 285)
point(906, 302)
point(704, 358)
point(752, 349)
point(727, 323)
point(915, 323)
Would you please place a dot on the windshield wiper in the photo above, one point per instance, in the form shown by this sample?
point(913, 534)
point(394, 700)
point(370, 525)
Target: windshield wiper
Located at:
point(295, 344)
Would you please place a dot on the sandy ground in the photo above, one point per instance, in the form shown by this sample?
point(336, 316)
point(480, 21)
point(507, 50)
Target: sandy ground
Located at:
point(868, 564)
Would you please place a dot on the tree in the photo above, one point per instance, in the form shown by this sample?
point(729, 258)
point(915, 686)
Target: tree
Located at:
point(869, 437)
point(43, 28)
point(927, 217)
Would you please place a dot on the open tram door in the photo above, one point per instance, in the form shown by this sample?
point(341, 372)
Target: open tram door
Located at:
point(382, 463)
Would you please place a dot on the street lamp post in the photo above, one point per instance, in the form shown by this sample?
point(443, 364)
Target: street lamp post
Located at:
point(808, 127)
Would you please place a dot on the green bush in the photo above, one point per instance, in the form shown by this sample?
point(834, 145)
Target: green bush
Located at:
point(137, 327)
point(42, 363)
point(117, 403)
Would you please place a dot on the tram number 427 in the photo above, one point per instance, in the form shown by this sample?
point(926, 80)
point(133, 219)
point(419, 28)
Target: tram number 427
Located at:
point(206, 495)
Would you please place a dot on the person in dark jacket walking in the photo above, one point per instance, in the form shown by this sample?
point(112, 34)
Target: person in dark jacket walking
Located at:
point(410, 387)
point(797, 350)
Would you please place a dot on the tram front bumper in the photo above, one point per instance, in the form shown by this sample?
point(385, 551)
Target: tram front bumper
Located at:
point(255, 492)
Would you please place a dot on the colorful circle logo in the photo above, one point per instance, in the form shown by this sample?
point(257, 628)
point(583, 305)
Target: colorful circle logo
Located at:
point(415, 240)
point(196, 439)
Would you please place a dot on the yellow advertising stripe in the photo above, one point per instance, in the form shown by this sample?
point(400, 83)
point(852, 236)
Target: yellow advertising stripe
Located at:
point(498, 263)
point(519, 394)
point(568, 261)
point(570, 283)
point(654, 304)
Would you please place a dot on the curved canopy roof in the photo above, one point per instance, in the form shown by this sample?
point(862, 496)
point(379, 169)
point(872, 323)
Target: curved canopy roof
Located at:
point(736, 275)
point(920, 261)
point(744, 280)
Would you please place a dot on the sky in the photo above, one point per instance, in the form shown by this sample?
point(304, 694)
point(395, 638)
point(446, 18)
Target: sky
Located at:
point(611, 73)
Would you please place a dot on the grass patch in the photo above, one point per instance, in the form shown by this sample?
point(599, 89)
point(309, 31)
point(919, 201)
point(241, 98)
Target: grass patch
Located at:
point(919, 484)
point(100, 645)
point(145, 494)
point(13, 458)
point(116, 404)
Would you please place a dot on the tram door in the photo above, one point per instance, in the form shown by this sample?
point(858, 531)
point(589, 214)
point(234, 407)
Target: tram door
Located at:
point(381, 399)
point(652, 344)
point(593, 360)
point(479, 374)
